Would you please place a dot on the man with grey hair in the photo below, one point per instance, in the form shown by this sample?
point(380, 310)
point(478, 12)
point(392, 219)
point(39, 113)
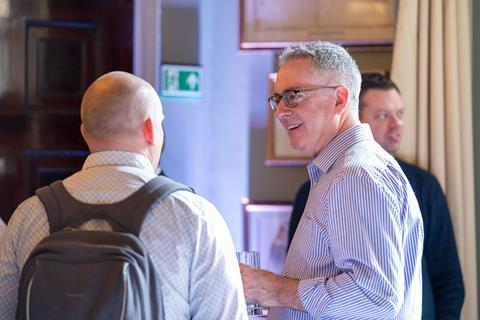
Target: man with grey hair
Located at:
point(185, 236)
point(357, 250)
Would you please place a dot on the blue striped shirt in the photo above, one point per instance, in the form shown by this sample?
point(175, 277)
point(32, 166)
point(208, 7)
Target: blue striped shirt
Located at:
point(358, 246)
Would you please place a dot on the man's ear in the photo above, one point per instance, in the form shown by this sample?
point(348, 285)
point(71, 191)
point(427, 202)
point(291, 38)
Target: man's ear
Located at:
point(341, 102)
point(86, 137)
point(149, 131)
point(82, 130)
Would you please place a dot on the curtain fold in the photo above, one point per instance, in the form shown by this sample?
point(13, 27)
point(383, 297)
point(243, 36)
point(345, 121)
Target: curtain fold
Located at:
point(432, 67)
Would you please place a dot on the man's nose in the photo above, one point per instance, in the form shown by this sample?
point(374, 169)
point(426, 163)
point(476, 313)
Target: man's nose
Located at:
point(282, 110)
point(395, 121)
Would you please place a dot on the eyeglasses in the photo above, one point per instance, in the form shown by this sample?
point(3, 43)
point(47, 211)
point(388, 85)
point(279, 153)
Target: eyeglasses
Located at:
point(293, 97)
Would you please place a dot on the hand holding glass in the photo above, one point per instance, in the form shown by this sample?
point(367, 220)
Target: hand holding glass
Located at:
point(251, 258)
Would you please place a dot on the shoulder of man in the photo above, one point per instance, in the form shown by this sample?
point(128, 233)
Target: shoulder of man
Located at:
point(28, 212)
point(26, 228)
point(188, 203)
point(414, 172)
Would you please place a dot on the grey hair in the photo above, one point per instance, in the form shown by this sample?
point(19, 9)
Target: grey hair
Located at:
point(332, 58)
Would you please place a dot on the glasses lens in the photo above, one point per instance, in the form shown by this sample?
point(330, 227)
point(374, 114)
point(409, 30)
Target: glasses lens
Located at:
point(274, 101)
point(292, 98)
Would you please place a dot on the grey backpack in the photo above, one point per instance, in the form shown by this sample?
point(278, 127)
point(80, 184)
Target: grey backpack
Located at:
point(77, 274)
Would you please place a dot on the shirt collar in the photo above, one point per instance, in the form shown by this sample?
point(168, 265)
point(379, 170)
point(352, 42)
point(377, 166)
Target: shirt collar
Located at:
point(337, 147)
point(117, 158)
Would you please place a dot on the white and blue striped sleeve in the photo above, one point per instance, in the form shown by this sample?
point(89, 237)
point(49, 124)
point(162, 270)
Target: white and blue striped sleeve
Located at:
point(365, 238)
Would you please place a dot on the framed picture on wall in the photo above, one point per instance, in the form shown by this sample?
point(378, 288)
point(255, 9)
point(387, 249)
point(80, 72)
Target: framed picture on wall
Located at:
point(268, 24)
point(266, 230)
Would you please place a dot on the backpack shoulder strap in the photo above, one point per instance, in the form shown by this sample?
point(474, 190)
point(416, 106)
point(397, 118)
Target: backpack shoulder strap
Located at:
point(63, 210)
point(52, 207)
point(155, 190)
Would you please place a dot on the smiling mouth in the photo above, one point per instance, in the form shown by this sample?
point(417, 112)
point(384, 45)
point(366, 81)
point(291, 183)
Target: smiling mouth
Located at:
point(394, 139)
point(293, 127)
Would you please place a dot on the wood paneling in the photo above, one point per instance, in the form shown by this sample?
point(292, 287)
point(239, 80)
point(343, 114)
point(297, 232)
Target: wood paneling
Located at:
point(60, 63)
point(50, 51)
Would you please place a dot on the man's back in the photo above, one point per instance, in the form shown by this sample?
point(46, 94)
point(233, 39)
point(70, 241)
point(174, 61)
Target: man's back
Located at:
point(188, 240)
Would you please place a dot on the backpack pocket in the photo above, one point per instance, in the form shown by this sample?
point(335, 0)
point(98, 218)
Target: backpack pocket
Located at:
point(89, 275)
point(64, 290)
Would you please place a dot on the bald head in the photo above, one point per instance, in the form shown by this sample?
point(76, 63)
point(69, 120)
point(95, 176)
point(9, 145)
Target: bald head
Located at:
point(116, 105)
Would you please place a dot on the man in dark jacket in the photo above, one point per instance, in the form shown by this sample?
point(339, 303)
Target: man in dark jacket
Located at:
point(443, 292)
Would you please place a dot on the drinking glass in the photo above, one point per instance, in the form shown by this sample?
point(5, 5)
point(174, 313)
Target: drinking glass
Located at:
point(251, 258)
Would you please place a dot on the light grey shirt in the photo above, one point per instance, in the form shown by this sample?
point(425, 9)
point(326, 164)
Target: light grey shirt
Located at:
point(2, 228)
point(187, 238)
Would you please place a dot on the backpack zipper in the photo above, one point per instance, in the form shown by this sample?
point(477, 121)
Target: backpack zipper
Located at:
point(125, 283)
point(29, 290)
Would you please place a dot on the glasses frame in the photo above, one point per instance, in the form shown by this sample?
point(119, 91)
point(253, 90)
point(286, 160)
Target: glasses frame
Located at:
point(276, 98)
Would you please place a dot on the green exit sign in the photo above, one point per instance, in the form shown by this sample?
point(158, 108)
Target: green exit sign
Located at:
point(181, 81)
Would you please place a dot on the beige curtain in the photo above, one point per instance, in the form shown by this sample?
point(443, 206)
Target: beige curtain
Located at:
point(432, 67)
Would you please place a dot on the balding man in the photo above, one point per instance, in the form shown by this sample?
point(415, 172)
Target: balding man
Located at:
point(185, 235)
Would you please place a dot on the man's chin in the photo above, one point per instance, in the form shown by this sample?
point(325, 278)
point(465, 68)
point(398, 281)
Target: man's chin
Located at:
point(302, 149)
point(391, 149)
point(296, 145)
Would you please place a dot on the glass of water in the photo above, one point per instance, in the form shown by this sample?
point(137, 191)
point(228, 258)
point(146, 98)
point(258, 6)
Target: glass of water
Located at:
point(251, 258)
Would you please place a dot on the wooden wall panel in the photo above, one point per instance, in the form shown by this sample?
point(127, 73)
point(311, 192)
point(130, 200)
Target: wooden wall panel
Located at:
point(50, 51)
point(60, 63)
